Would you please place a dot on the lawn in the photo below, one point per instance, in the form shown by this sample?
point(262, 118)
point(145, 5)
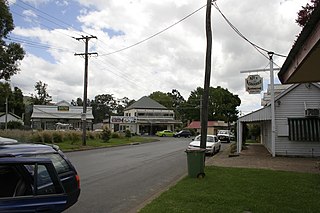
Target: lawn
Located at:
point(241, 190)
point(98, 143)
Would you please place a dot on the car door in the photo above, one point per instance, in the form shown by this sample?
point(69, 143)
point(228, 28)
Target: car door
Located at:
point(30, 185)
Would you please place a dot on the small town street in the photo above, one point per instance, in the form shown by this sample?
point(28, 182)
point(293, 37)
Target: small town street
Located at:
point(120, 179)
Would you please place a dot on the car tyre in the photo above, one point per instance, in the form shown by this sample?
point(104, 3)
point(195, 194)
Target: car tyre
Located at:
point(213, 152)
point(219, 148)
point(201, 175)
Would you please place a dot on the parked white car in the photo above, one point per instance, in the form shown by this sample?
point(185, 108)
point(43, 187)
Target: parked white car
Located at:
point(225, 135)
point(213, 144)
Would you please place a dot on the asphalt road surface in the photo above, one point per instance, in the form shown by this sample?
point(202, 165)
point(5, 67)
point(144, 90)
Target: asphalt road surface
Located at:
point(122, 178)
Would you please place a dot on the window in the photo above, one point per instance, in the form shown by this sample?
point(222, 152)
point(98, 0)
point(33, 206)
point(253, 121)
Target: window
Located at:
point(304, 129)
point(58, 162)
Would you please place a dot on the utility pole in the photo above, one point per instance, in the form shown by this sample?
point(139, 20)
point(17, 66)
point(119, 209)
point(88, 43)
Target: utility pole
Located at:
point(85, 54)
point(204, 108)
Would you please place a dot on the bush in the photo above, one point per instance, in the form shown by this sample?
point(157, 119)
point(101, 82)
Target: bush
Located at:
point(106, 134)
point(46, 137)
point(57, 137)
point(14, 125)
point(128, 133)
point(115, 135)
point(75, 136)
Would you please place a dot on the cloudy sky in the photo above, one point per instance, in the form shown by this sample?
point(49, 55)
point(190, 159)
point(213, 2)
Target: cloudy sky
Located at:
point(174, 59)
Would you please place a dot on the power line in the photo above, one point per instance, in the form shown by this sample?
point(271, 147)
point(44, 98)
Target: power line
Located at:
point(36, 44)
point(258, 48)
point(154, 35)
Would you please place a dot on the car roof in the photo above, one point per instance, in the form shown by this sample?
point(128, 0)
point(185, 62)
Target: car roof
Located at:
point(17, 149)
point(7, 140)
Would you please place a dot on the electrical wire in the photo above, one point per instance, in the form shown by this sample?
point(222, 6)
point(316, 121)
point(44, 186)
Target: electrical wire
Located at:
point(154, 35)
point(33, 43)
point(258, 48)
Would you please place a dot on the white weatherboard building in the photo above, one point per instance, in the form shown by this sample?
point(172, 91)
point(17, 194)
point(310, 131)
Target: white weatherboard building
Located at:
point(50, 117)
point(144, 117)
point(297, 122)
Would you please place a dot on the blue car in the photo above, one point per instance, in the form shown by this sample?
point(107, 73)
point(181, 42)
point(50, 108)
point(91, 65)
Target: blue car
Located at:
point(36, 178)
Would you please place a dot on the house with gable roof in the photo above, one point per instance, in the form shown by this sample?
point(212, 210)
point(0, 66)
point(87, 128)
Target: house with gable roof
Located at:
point(61, 114)
point(297, 122)
point(144, 117)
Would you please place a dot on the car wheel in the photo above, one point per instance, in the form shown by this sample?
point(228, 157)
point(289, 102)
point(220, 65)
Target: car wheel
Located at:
point(189, 136)
point(219, 148)
point(164, 135)
point(178, 136)
point(214, 151)
point(201, 175)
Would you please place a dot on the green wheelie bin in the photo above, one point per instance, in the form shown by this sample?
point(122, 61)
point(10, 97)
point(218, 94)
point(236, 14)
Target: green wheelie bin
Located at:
point(196, 162)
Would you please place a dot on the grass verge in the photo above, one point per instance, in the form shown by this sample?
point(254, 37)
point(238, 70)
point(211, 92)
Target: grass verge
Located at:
point(98, 143)
point(241, 190)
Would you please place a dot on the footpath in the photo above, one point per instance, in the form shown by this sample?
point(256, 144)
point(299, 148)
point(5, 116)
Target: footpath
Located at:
point(257, 156)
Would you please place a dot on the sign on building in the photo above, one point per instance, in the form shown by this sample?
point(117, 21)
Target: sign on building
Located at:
point(254, 84)
point(123, 119)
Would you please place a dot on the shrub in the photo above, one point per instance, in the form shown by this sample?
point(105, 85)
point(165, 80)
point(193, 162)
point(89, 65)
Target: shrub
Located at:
point(128, 134)
point(35, 137)
point(106, 134)
point(57, 137)
point(75, 136)
point(14, 125)
point(115, 135)
point(46, 137)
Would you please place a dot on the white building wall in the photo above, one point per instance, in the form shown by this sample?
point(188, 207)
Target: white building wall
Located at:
point(292, 105)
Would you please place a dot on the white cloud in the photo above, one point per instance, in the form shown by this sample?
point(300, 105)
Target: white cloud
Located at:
point(172, 60)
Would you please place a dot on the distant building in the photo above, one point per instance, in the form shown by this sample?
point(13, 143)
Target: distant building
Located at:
point(10, 117)
point(62, 114)
point(278, 88)
point(213, 126)
point(144, 117)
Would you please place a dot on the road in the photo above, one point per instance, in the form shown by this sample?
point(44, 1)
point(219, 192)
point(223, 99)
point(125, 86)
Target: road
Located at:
point(120, 179)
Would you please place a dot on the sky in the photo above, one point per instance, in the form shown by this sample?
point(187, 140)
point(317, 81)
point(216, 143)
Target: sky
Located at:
point(172, 59)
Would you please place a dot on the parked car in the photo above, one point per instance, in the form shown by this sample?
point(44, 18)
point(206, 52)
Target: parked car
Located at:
point(36, 178)
point(213, 144)
point(183, 133)
point(225, 135)
point(165, 133)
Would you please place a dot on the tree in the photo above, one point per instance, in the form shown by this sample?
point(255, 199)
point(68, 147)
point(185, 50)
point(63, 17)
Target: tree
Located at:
point(12, 53)
point(222, 104)
point(162, 98)
point(15, 99)
point(306, 11)
point(78, 102)
point(102, 107)
point(42, 97)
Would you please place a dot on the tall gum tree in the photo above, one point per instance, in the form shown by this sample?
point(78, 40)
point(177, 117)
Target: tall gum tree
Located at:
point(10, 53)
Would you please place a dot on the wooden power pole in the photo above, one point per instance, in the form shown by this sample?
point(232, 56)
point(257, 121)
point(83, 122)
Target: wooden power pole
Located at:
point(85, 54)
point(205, 97)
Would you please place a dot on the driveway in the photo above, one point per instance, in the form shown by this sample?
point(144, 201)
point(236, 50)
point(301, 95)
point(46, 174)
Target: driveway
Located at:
point(257, 156)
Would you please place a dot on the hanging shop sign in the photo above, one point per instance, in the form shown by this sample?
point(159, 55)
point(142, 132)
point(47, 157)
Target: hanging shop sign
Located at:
point(254, 84)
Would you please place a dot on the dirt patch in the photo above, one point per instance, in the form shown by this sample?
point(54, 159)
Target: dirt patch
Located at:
point(257, 156)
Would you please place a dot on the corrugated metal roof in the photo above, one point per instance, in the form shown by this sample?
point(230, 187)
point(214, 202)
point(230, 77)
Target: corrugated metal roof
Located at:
point(145, 103)
point(46, 111)
point(263, 114)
